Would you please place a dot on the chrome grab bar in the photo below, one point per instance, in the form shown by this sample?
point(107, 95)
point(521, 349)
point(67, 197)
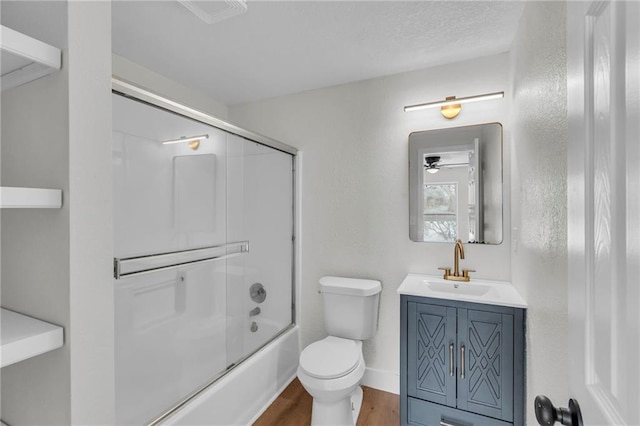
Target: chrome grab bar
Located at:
point(132, 266)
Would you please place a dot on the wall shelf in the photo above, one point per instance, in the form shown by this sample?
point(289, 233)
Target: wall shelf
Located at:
point(25, 59)
point(24, 337)
point(30, 198)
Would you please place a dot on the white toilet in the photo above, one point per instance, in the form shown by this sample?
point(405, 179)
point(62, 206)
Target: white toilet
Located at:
point(332, 368)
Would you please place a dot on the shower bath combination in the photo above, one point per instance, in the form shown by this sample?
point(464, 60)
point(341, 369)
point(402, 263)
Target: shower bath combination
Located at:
point(203, 232)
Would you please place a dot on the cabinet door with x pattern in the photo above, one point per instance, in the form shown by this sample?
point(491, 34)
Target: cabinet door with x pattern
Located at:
point(431, 351)
point(485, 361)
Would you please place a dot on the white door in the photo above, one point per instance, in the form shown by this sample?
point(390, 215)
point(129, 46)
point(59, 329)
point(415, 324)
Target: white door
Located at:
point(604, 210)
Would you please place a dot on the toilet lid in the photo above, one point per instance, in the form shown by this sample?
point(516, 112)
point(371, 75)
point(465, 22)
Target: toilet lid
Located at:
point(330, 358)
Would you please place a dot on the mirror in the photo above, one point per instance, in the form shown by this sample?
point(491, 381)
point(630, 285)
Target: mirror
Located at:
point(455, 184)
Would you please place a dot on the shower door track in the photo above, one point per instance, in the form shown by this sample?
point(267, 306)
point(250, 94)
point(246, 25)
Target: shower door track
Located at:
point(123, 88)
point(139, 265)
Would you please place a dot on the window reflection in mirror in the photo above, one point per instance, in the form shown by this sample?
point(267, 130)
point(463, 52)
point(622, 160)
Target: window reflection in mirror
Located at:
point(440, 211)
point(455, 184)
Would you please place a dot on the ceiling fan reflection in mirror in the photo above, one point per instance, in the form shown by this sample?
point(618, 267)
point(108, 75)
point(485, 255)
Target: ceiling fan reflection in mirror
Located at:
point(433, 163)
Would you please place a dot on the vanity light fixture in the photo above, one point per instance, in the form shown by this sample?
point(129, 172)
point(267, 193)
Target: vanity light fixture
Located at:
point(451, 106)
point(193, 141)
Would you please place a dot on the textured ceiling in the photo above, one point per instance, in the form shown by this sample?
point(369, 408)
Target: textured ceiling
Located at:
point(278, 48)
point(283, 47)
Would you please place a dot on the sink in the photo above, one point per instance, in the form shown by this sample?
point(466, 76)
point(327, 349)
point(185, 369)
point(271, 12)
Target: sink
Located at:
point(477, 291)
point(467, 288)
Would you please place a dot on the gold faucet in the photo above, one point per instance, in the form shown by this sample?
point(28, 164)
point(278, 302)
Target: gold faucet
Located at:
point(458, 253)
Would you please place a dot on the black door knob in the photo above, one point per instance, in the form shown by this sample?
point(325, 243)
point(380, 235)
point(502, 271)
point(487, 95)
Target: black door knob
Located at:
point(548, 415)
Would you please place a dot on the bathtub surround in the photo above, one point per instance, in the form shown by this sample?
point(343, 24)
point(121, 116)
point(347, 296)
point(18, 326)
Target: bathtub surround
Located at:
point(217, 405)
point(194, 231)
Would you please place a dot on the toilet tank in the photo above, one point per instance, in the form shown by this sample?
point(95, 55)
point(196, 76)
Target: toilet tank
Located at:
point(350, 307)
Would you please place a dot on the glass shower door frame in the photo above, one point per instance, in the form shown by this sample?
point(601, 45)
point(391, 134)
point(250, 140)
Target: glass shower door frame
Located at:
point(146, 264)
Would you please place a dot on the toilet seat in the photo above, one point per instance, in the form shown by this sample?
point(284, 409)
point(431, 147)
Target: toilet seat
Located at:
point(330, 358)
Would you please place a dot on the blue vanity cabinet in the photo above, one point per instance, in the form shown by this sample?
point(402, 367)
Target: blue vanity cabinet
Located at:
point(461, 363)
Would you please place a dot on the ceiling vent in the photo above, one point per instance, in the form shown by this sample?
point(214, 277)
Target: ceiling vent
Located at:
point(215, 11)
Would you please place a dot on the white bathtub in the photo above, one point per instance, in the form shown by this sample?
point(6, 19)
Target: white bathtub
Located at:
point(258, 380)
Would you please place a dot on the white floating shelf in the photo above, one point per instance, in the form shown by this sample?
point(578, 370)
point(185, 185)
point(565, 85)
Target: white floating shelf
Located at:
point(25, 59)
point(30, 198)
point(24, 337)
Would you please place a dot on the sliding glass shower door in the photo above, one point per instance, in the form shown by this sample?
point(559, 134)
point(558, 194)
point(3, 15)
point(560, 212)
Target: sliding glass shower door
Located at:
point(203, 254)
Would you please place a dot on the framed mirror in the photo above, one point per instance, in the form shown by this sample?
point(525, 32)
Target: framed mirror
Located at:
point(455, 184)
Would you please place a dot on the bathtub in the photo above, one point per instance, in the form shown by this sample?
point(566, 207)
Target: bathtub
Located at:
point(259, 379)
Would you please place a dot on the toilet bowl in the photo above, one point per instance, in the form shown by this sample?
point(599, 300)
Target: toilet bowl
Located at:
point(331, 370)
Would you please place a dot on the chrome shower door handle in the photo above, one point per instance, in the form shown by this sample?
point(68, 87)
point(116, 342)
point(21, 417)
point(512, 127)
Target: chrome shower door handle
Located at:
point(462, 350)
point(452, 370)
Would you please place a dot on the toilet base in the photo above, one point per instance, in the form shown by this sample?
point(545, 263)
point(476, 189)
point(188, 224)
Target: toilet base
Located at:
point(343, 412)
point(356, 403)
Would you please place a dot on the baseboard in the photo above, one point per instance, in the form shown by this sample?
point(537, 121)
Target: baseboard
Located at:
point(388, 381)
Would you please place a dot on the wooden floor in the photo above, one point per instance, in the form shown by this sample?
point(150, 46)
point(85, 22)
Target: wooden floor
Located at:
point(293, 408)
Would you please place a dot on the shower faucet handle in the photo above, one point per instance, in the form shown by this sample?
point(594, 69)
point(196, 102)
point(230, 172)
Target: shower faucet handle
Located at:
point(255, 311)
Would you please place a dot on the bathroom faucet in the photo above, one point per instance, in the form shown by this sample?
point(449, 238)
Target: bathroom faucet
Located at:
point(458, 253)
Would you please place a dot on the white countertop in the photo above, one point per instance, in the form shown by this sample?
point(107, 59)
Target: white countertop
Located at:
point(24, 337)
point(499, 293)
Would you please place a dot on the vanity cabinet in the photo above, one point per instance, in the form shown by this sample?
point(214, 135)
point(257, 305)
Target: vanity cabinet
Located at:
point(461, 363)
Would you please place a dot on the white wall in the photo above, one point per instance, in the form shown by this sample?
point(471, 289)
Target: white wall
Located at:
point(539, 195)
point(90, 204)
point(131, 72)
point(355, 183)
point(57, 264)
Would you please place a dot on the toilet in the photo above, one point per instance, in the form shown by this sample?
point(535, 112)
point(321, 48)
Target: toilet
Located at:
point(331, 369)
